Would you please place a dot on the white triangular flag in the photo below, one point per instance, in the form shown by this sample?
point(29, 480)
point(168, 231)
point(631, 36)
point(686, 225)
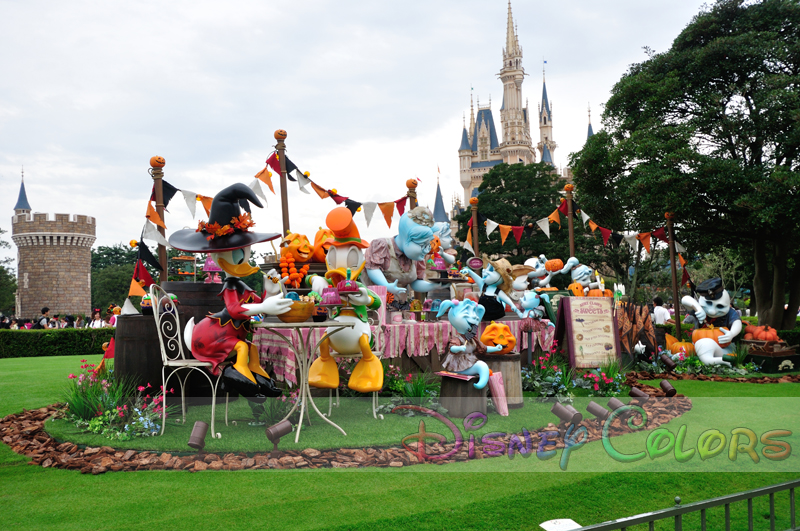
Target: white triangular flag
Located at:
point(151, 233)
point(369, 209)
point(302, 181)
point(680, 248)
point(544, 224)
point(584, 217)
point(256, 188)
point(191, 200)
point(128, 308)
point(468, 247)
point(490, 227)
point(632, 240)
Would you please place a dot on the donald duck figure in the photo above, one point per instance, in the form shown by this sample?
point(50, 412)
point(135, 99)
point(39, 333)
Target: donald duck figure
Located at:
point(345, 261)
point(228, 239)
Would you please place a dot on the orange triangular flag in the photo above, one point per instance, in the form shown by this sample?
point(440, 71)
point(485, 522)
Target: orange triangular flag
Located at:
point(644, 237)
point(469, 236)
point(504, 230)
point(206, 203)
point(388, 211)
point(682, 260)
point(266, 177)
point(153, 216)
point(321, 192)
point(136, 289)
point(555, 217)
point(593, 225)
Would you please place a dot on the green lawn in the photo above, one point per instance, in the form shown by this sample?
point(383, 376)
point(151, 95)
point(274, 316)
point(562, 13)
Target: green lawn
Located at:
point(517, 494)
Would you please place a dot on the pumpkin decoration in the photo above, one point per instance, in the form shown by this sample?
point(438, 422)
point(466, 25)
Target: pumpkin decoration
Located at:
point(767, 334)
point(411, 184)
point(569, 187)
point(157, 162)
point(748, 336)
point(436, 244)
point(322, 242)
point(600, 293)
point(576, 289)
point(280, 134)
point(297, 246)
point(554, 265)
point(473, 200)
point(669, 215)
point(710, 332)
point(675, 346)
point(497, 334)
point(288, 270)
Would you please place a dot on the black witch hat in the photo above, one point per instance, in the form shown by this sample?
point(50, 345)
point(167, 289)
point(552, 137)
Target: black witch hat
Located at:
point(227, 228)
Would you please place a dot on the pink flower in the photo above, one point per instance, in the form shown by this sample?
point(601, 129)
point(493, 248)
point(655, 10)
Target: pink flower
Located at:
point(602, 374)
point(71, 376)
point(596, 387)
point(121, 414)
point(172, 390)
point(555, 367)
point(140, 388)
point(83, 361)
point(408, 377)
point(92, 365)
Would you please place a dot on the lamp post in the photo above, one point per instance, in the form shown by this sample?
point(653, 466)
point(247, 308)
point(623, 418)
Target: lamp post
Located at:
point(676, 294)
point(411, 184)
point(568, 189)
point(280, 136)
point(474, 202)
point(157, 173)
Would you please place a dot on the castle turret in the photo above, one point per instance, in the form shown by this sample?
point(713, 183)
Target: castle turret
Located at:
point(55, 259)
point(590, 132)
point(546, 124)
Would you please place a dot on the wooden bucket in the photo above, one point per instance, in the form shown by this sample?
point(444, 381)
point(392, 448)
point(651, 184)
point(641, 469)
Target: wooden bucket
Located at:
point(460, 398)
point(509, 365)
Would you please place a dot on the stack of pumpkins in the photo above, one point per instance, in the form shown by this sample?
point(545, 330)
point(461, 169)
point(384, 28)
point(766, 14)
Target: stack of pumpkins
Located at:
point(761, 333)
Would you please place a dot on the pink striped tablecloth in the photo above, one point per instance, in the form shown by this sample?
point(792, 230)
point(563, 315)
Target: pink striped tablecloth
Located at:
point(417, 339)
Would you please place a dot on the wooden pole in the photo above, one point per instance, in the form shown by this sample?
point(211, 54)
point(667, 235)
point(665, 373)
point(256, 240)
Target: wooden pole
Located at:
point(280, 136)
point(568, 189)
point(157, 173)
point(411, 184)
point(475, 228)
point(676, 294)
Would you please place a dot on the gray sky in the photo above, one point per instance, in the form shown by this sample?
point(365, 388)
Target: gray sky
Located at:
point(371, 94)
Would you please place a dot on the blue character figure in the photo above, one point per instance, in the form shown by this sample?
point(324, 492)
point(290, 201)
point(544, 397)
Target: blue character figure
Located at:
point(713, 307)
point(531, 304)
point(494, 286)
point(465, 317)
point(399, 262)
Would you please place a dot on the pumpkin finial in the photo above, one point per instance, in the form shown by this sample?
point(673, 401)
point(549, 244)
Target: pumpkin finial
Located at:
point(411, 183)
point(569, 187)
point(157, 162)
point(669, 215)
point(280, 134)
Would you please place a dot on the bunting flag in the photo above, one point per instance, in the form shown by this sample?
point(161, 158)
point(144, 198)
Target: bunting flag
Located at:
point(266, 177)
point(592, 225)
point(682, 260)
point(680, 248)
point(256, 188)
point(290, 168)
point(369, 209)
point(544, 224)
point(109, 353)
point(321, 192)
point(631, 240)
point(352, 206)
point(554, 217)
point(584, 217)
point(167, 192)
point(149, 232)
point(661, 234)
point(606, 234)
point(191, 200)
point(274, 163)
point(563, 208)
point(302, 182)
point(388, 210)
point(504, 230)
point(141, 274)
point(517, 233)
point(339, 199)
point(490, 227)
point(469, 239)
point(153, 216)
point(468, 247)
point(529, 230)
point(135, 289)
point(143, 254)
point(644, 237)
point(401, 204)
point(685, 276)
point(206, 203)
point(616, 239)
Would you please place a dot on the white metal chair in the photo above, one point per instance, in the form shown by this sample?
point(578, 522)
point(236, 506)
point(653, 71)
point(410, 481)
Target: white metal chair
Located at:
point(173, 358)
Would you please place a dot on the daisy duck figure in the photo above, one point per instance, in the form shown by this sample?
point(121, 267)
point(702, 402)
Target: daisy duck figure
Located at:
point(465, 318)
point(399, 262)
point(713, 307)
point(228, 239)
point(345, 262)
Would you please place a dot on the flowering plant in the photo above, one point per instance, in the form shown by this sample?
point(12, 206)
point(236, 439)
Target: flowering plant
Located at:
point(603, 383)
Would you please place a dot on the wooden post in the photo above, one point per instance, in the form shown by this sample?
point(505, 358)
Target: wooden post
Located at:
point(411, 184)
point(157, 173)
point(475, 228)
point(676, 294)
point(280, 136)
point(568, 189)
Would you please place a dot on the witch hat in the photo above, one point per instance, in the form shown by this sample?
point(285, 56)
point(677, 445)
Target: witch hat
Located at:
point(227, 228)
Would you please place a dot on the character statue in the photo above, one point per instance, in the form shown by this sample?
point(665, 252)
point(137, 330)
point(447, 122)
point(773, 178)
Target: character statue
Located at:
point(444, 232)
point(399, 262)
point(494, 286)
point(465, 318)
point(228, 239)
point(713, 307)
point(531, 305)
point(345, 262)
point(520, 283)
point(544, 270)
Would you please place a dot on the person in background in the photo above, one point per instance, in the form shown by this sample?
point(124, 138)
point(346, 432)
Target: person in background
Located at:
point(79, 322)
point(69, 321)
point(27, 325)
point(660, 314)
point(14, 324)
point(97, 321)
point(43, 320)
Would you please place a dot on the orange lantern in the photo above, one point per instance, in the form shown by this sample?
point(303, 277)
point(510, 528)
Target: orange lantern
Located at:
point(322, 242)
point(280, 134)
point(499, 335)
point(157, 162)
point(710, 332)
point(298, 247)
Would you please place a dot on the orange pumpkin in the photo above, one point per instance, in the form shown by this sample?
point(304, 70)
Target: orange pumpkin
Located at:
point(411, 183)
point(497, 334)
point(554, 265)
point(748, 336)
point(675, 346)
point(600, 293)
point(157, 162)
point(473, 200)
point(280, 134)
point(576, 289)
point(710, 332)
point(767, 334)
point(569, 187)
point(322, 242)
point(436, 244)
point(297, 246)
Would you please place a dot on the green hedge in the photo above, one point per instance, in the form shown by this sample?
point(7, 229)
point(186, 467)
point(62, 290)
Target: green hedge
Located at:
point(66, 342)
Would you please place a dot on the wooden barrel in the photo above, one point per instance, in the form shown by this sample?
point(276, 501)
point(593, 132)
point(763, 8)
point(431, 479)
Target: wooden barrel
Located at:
point(508, 365)
point(196, 299)
point(460, 398)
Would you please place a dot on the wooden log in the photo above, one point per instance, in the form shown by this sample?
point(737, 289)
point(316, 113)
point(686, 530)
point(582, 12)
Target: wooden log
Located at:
point(509, 366)
point(460, 398)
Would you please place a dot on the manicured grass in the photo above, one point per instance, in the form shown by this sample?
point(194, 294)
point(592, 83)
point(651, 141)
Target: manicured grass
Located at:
point(697, 388)
point(518, 494)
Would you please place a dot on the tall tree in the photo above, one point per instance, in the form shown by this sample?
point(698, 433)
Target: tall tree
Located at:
point(709, 130)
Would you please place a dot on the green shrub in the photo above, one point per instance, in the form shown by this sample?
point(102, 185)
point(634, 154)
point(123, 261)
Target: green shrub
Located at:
point(64, 342)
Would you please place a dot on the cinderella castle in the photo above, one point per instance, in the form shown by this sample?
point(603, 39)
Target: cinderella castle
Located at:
point(480, 149)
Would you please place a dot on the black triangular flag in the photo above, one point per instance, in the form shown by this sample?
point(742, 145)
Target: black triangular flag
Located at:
point(290, 167)
point(145, 255)
point(616, 238)
point(167, 190)
point(352, 206)
point(528, 230)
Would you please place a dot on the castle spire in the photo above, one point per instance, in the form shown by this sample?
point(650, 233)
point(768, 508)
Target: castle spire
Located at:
point(439, 213)
point(512, 44)
point(22, 200)
point(590, 132)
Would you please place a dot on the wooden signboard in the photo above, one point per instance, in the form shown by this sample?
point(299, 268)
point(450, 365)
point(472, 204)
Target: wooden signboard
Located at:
point(587, 328)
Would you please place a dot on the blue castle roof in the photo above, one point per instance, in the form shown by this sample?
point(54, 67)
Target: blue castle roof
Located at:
point(546, 155)
point(22, 201)
point(485, 115)
point(464, 140)
point(485, 163)
point(439, 213)
point(590, 133)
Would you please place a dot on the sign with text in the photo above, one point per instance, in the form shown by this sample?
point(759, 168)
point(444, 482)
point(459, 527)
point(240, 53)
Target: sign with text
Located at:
point(588, 328)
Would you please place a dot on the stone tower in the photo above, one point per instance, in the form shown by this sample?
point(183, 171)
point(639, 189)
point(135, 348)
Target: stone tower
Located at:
point(546, 145)
point(54, 260)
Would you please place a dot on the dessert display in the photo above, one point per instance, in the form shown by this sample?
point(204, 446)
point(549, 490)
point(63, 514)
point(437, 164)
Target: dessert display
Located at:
point(438, 264)
point(416, 306)
point(146, 305)
point(347, 285)
point(331, 297)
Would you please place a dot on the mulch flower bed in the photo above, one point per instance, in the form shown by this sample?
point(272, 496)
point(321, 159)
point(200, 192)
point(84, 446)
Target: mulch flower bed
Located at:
point(634, 376)
point(24, 433)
